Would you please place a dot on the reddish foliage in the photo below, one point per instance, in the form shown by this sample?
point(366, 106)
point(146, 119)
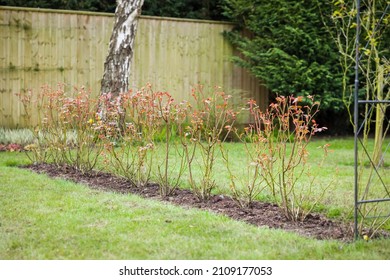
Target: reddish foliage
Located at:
point(11, 147)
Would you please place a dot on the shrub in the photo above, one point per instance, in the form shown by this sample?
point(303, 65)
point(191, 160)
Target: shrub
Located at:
point(211, 121)
point(65, 133)
point(128, 126)
point(147, 115)
point(276, 151)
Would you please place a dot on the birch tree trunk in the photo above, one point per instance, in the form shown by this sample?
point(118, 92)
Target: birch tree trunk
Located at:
point(117, 65)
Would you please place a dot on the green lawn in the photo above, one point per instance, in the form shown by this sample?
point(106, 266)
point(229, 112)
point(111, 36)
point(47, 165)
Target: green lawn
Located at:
point(43, 218)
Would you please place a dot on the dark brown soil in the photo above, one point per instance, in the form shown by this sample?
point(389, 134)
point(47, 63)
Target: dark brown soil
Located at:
point(261, 214)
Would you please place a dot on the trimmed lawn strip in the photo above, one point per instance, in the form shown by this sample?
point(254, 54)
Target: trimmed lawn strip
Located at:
point(43, 218)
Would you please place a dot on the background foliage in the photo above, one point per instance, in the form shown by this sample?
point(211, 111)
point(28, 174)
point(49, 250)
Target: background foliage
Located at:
point(88, 5)
point(199, 9)
point(287, 46)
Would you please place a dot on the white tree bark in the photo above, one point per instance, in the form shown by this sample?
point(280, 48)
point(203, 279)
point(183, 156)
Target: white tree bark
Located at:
point(117, 65)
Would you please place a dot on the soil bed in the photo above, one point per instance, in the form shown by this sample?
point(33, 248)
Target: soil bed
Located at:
point(261, 214)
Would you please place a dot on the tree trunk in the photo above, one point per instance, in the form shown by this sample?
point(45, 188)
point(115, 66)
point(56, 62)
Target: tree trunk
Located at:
point(117, 65)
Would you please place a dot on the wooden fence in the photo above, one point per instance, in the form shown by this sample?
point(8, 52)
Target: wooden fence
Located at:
point(46, 47)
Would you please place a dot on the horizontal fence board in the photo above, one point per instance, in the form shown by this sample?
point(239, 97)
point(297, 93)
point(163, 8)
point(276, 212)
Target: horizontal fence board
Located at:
point(46, 47)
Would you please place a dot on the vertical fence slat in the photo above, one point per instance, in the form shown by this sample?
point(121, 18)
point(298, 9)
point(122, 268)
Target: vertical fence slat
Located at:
point(4, 51)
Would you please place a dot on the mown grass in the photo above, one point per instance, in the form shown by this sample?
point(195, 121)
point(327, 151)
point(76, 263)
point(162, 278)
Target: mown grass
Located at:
point(43, 218)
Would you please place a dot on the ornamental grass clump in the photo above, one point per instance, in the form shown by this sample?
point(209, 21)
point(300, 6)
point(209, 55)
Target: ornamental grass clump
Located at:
point(22, 137)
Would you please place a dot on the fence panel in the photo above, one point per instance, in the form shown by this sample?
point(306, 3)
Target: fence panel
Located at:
point(46, 47)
